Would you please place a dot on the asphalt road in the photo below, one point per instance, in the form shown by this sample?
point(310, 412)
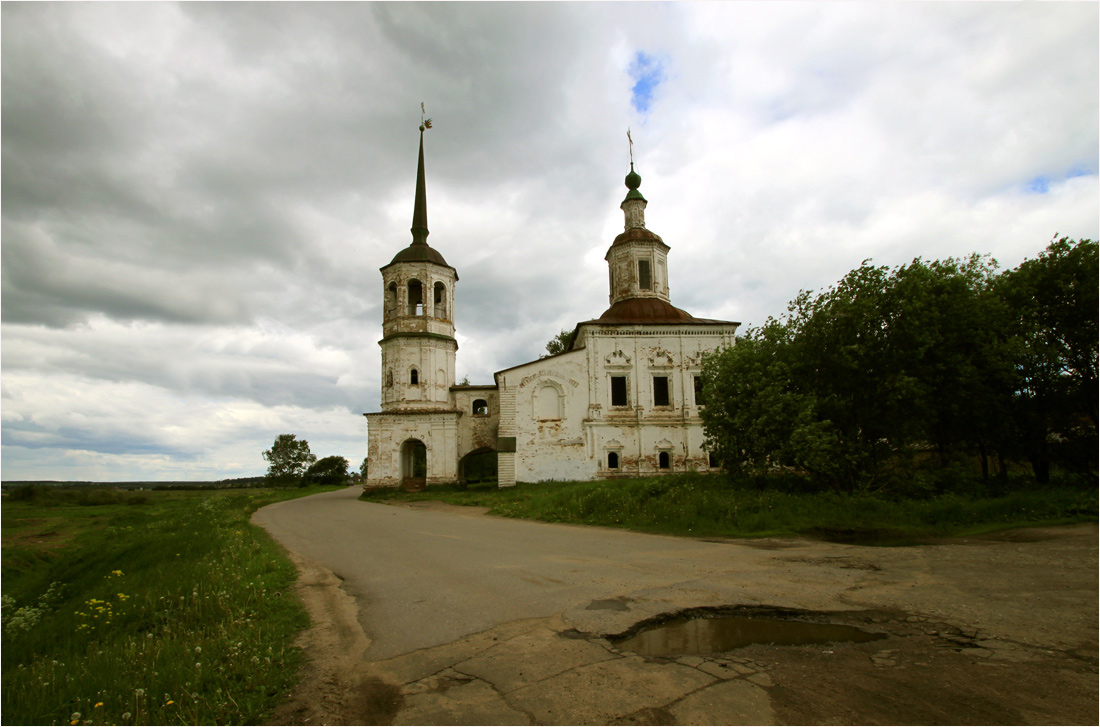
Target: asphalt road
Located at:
point(473, 619)
point(425, 577)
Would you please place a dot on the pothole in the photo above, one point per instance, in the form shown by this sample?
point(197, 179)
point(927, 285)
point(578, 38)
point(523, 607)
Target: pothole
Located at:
point(715, 631)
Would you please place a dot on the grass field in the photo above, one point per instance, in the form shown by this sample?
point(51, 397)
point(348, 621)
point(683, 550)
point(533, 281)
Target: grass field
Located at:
point(169, 607)
point(160, 607)
point(709, 505)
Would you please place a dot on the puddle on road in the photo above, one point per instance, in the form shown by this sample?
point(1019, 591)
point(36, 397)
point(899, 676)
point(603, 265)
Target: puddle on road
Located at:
point(703, 635)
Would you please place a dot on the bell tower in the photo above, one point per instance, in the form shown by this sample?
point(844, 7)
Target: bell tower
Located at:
point(638, 259)
point(418, 332)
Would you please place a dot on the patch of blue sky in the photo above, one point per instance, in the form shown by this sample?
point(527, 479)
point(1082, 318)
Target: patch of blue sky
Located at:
point(1041, 184)
point(648, 72)
point(1038, 185)
point(1083, 169)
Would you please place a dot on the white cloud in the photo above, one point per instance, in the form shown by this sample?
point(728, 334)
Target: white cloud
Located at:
point(197, 197)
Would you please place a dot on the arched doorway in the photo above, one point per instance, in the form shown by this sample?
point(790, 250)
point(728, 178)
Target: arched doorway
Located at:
point(414, 465)
point(477, 466)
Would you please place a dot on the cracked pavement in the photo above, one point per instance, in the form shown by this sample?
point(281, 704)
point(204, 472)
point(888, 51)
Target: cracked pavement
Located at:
point(433, 614)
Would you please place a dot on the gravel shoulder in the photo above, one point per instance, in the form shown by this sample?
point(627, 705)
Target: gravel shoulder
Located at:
point(997, 629)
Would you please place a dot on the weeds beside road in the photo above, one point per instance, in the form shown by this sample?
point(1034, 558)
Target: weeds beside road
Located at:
point(145, 608)
point(712, 506)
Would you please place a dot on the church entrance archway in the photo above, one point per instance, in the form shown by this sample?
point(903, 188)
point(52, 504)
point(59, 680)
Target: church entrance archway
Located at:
point(477, 466)
point(414, 465)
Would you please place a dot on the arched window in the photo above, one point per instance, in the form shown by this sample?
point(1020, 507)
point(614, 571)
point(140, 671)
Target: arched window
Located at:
point(416, 298)
point(663, 460)
point(548, 403)
point(391, 299)
point(389, 378)
point(612, 460)
point(440, 301)
point(414, 377)
point(480, 407)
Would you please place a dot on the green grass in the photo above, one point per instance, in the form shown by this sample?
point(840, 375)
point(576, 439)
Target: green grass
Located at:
point(711, 506)
point(161, 607)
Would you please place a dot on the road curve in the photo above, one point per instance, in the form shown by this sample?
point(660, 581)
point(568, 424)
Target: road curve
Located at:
point(466, 614)
point(427, 577)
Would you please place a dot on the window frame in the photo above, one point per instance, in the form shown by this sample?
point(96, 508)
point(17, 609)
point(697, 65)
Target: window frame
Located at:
point(625, 392)
point(667, 391)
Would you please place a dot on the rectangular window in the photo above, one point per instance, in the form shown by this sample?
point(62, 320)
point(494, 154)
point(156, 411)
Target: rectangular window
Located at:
point(700, 397)
point(644, 281)
point(660, 391)
point(618, 391)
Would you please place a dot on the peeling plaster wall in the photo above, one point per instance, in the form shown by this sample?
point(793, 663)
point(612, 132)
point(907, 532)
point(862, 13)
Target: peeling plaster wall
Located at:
point(622, 262)
point(575, 445)
point(476, 431)
point(549, 434)
point(424, 341)
point(389, 430)
point(434, 361)
point(641, 430)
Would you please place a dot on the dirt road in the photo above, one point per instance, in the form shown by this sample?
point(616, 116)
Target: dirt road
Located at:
point(439, 615)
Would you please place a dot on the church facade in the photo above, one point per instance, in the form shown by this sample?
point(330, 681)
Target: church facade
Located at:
point(622, 401)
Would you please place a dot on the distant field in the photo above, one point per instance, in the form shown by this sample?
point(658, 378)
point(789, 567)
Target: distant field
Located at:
point(153, 607)
point(158, 485)
point(711, 505)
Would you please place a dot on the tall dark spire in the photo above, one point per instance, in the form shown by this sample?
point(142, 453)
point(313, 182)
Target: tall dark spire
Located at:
point(420, 209)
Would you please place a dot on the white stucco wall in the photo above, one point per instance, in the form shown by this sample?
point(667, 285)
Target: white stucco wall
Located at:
point(575, 445)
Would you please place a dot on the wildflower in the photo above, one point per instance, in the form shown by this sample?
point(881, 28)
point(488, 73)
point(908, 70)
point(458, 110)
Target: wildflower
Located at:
point(75, 716)
point(139, 692)
point(126, 715)
point(198, 665)
point(98, 705)
point(198, 649)
point(169, 702)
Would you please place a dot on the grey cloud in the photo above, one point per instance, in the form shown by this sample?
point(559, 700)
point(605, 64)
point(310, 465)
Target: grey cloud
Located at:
point(199, 196)
point(42, 285)
point(29, 435)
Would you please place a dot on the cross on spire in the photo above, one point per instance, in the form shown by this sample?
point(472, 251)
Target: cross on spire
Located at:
point(424, 123)
point(420, 206)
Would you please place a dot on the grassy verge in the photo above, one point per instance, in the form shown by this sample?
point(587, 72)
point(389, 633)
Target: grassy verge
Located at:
point(702, 505)
point(145, 608)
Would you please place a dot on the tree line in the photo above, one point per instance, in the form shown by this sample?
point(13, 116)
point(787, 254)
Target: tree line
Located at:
point(914, 377)
point(291, 463)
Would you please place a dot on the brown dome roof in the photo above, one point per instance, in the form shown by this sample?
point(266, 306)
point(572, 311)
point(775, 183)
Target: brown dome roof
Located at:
point(637, 233)
point(645, 310)
point(416, 253)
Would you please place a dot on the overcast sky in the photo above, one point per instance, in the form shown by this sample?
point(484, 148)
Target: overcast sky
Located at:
point(197, 197)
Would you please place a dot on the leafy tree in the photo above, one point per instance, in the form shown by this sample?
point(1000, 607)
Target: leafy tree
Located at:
point(1053, 303)
point(757, 418)
point(854, 385)
point(327, 471)
point(857, 386)
point(288, 459)
point(560, 343)
point(363, 468)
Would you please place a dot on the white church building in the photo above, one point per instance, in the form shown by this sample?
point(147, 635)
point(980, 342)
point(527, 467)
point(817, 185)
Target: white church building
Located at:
point(623, 401)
